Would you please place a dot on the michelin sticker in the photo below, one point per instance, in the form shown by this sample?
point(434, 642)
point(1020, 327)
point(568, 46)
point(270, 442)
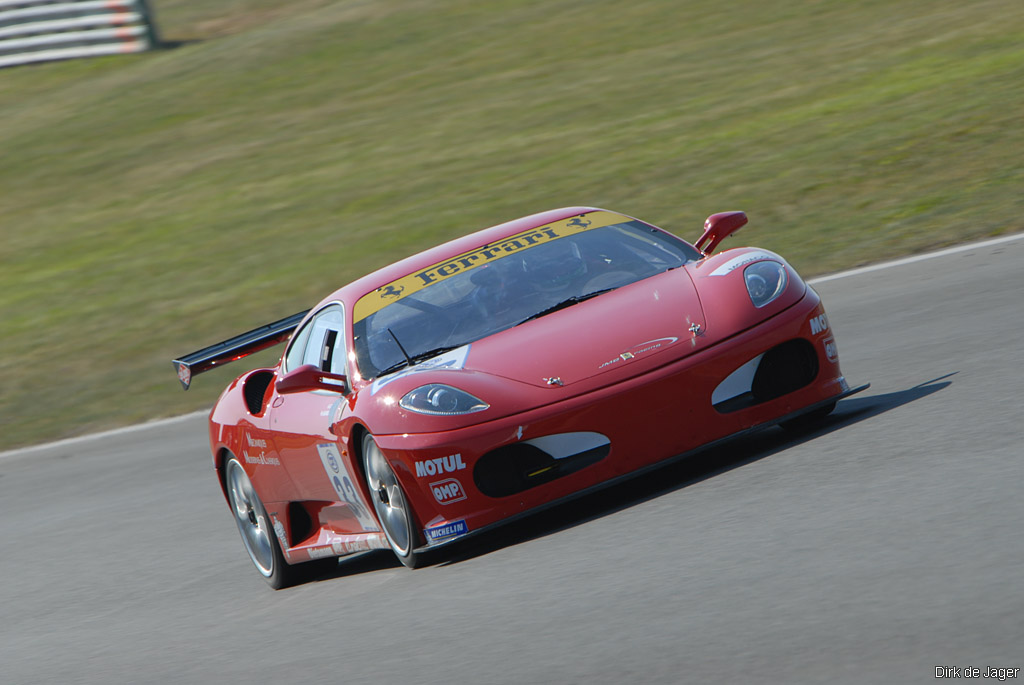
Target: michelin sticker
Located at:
point(343, 485)
point(445, 531)
point(452, 360)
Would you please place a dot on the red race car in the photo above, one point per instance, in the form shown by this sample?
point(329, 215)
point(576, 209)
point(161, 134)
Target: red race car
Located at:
point(502, 372)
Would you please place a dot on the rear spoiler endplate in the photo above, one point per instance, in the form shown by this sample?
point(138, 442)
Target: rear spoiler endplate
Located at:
point(235, 348)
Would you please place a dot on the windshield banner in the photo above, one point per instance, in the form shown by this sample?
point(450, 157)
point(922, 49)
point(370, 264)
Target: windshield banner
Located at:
point(407, 285)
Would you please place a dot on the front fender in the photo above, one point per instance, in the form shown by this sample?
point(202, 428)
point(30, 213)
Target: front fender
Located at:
point(723, 292)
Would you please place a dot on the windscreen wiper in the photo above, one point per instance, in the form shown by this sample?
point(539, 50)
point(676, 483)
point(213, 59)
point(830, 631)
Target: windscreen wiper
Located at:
point(423, 356)
point(416, 358)
point(568, 302)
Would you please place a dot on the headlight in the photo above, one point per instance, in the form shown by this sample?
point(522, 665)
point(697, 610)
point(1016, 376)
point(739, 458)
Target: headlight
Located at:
point(441, 400)
point(765, 281)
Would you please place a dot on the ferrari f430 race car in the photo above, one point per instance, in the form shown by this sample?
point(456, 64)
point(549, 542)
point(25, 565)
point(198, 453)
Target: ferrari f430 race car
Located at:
point(504, 371)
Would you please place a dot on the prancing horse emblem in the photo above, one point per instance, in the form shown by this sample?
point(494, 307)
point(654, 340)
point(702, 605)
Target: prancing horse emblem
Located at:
point(579, 221)
point(554, 380)
point(391, 291)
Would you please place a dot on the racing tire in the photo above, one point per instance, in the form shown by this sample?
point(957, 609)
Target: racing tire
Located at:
point(258, 535)
point(809, 420)
point(390, 504)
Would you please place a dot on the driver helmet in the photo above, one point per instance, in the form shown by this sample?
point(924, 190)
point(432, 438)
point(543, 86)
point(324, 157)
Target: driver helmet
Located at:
point(554, 266)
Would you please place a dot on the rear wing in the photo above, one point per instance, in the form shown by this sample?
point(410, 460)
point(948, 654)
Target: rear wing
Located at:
point(236, 348)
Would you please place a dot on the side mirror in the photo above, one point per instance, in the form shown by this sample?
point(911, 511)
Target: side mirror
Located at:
point(309, 377)
point(718, 227)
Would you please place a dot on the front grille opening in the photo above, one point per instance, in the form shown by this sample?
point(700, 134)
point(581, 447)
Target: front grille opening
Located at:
point(783, 369)
point(515, 468)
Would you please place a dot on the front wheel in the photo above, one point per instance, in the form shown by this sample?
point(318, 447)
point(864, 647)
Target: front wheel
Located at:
point(258, 534)
point(390, 503)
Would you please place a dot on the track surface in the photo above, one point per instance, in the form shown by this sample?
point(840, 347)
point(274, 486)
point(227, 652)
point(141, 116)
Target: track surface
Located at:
point(887, 543)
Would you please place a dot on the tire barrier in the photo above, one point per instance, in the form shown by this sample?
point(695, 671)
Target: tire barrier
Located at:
point(44, 30)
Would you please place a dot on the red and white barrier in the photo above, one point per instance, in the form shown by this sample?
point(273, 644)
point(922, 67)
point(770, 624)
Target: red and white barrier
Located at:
point(42, 30)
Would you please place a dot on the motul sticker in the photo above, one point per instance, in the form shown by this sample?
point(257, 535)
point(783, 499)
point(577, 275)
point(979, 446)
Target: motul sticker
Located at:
point(441, 465)
point(447, 491)
point(819, 324)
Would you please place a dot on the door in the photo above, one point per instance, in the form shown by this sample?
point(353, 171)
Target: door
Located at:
point(319, 467)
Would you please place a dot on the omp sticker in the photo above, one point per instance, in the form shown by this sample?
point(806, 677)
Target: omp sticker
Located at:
point(831, 352)
point(452, 360)
point(445, 531)
point(341, 479)
point(447, 491)
point(407, 285)
point(741, 260)
point(434, 467)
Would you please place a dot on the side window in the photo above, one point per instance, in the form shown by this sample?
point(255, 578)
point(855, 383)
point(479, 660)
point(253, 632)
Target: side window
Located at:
point(297, 349)
point(321, 342)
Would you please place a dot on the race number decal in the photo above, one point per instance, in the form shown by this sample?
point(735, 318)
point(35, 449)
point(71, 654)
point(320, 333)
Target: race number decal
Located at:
point(341, 479)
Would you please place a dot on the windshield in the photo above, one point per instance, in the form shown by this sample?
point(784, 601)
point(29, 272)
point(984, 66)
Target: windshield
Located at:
point(484, 292)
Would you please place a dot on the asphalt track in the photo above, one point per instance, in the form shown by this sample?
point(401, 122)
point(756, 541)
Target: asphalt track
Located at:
point(886, 543)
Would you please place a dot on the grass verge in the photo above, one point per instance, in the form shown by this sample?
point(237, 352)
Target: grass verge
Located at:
point(156, 203)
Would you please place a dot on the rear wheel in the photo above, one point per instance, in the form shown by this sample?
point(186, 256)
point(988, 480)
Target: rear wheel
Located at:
point(258, 533)
point(390, 503)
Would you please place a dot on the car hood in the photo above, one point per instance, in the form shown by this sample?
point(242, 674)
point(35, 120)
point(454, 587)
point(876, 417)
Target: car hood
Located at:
point(620, 333)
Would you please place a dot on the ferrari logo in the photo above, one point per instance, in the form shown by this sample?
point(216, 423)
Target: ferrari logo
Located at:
point(391, 291)
point(580, 222)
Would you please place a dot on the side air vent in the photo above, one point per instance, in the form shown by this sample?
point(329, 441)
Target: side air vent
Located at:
point(255, 390)
point(524, 465)
point(781, 370)
point(300, 523)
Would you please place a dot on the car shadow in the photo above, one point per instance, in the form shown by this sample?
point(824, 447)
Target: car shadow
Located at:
point(674, 476)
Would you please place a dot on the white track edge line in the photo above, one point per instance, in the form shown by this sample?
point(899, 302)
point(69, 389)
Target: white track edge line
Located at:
point(813, 281)
point(917, 258)
point(155, 423)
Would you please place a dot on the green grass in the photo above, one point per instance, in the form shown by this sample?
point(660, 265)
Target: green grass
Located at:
point(153, 204)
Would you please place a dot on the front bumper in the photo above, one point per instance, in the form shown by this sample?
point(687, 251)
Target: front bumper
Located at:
point(659, 415)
